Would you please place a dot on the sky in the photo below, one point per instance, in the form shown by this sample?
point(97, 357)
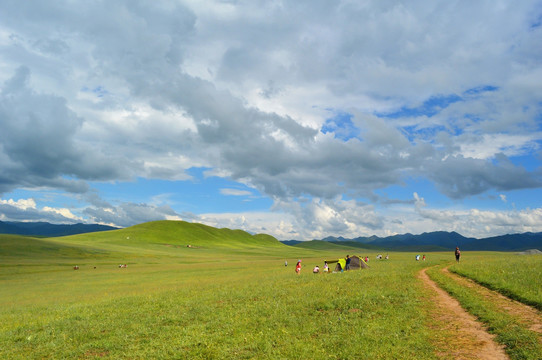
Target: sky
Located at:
point(298, 119)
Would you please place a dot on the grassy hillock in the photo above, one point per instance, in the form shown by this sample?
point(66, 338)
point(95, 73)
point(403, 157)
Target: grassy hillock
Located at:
point(179, 233)
point(157, 242)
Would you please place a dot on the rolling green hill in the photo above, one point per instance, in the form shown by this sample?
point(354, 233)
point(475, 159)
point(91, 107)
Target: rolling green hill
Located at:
point(158, 241)
point(178, 233)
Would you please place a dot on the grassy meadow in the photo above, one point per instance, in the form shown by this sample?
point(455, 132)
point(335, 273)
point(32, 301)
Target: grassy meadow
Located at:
point(516, 276)
point(228, 296)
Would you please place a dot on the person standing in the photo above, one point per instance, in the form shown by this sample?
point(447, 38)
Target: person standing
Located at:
point(347, 266)
point(457, 254)
point(298, 267)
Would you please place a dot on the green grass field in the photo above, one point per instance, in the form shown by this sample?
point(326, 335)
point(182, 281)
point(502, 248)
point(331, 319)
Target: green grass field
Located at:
point(229, 296)
point(516, 276)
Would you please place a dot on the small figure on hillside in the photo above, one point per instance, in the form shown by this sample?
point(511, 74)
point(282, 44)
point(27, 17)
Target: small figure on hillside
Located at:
point(286, 263)
point(298, 267)
point(326, 267)
point(457, 254)
point(387, 256)
point(423, 257)
point(347, 266)
point(366, 259)
point(417, 257)
point(316, 269)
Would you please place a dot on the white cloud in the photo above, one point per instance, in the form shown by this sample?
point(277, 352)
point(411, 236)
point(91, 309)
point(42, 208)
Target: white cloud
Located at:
point(235, 192)
point(62, 211)
point(488, 145)
point(113, 91)
point(22, 204)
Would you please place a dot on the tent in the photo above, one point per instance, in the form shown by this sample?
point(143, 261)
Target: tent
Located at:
point(356, 263)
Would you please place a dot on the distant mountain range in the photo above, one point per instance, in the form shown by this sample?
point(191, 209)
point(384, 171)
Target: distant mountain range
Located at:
point(49, 230)
point(432, 241)
point(440, 240)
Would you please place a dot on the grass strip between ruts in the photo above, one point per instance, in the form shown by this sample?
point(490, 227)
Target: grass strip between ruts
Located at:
point(512, 277)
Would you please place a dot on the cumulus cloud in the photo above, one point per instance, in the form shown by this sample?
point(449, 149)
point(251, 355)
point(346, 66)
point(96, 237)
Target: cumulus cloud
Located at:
point(113, 91)
point(27, 210)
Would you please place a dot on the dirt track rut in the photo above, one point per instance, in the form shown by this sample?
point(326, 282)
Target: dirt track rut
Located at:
point(525, 314)
point(472, 341)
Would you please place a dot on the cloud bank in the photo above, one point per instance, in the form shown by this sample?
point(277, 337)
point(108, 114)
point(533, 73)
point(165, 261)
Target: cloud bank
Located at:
point(320, 106)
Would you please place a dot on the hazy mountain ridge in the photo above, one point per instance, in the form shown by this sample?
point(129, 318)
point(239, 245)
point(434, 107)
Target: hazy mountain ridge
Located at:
point(48, 229)
point(443, 240)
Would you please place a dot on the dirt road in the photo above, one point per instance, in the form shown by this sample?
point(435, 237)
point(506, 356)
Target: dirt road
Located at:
point(525, 314)
point(471, 340)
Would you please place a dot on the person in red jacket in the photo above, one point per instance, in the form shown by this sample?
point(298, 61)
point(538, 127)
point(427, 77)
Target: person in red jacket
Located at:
point(298, 267)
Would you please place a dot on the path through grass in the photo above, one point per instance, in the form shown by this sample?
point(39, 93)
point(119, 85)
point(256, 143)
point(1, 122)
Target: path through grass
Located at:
point(520, 342)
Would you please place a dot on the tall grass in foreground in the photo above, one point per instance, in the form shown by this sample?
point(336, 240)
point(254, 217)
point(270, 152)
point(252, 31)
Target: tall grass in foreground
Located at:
point(516, 276)
point(520, 342)
point(227, 310)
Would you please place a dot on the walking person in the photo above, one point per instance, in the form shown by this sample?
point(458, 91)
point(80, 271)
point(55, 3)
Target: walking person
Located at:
point(298, 267)
point(457, 254)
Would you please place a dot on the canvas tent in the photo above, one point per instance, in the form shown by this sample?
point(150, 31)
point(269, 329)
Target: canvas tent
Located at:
point(356, 263)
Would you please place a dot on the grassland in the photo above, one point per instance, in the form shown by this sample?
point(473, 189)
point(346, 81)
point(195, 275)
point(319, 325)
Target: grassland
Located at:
point(516, 276)
point(228, 296)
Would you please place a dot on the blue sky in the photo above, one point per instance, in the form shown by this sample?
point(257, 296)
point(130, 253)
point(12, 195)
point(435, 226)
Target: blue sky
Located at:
point(346, 120)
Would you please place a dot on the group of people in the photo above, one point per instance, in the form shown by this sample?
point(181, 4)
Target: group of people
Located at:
point(316, 269)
